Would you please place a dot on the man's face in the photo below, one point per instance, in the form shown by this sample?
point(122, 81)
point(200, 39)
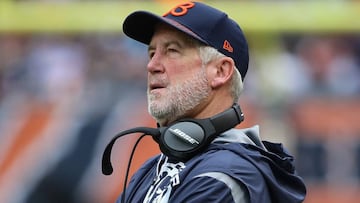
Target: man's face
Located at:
point(177, 80)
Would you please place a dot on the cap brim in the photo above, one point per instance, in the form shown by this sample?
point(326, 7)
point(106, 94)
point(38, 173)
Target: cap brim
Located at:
point(140, 26)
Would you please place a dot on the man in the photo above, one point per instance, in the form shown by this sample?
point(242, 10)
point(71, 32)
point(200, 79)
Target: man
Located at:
point(198, 59)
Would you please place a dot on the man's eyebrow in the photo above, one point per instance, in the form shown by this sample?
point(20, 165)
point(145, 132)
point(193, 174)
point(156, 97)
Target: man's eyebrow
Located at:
point(166, 44)
point(173, 42)
point(150, 47)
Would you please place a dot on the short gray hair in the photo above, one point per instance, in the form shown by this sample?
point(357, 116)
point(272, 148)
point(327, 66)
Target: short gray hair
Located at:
point(207, 54)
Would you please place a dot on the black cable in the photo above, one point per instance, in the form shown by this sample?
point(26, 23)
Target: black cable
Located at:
point(107, 168)
point(129, 165)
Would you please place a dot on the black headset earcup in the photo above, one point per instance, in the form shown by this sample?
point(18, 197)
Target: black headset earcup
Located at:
point(181, 140)
point(187, 137)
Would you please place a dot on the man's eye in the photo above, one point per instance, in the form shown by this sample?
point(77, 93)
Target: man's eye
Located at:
point(172, 50)
point(151, 54)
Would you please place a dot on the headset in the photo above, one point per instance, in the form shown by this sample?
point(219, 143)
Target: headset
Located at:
point(183, 139)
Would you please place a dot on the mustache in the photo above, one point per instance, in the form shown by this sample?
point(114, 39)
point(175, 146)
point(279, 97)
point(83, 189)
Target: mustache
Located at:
point(158, 80)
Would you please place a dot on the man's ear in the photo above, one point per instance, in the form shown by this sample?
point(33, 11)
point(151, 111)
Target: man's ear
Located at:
point(222, 72)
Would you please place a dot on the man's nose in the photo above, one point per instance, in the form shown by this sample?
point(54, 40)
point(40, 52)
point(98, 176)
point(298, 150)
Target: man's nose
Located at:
point(155, 64)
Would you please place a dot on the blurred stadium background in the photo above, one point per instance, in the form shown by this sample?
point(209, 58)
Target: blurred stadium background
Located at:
point(69, 80)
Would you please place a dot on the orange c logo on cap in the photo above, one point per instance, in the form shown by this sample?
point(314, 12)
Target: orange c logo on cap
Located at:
point(181, 9)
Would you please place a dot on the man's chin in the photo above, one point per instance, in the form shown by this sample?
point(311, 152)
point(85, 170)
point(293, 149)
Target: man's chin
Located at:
point(157, 108)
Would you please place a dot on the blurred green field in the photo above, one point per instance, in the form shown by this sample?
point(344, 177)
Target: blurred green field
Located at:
point(254, 16)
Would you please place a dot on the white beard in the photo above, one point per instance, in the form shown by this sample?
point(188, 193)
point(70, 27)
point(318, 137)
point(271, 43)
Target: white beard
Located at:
point(179, 99)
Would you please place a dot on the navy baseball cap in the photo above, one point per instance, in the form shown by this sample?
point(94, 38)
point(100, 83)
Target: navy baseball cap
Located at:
point(206, 24)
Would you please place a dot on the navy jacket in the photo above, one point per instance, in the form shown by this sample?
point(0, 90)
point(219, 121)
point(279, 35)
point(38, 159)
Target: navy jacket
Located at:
point(236, 167)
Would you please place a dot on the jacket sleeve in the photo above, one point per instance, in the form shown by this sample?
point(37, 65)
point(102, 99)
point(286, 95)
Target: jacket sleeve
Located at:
point(211, 187)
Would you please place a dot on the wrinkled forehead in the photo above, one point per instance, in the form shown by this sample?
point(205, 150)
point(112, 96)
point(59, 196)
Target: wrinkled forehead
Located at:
point(164, 30)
